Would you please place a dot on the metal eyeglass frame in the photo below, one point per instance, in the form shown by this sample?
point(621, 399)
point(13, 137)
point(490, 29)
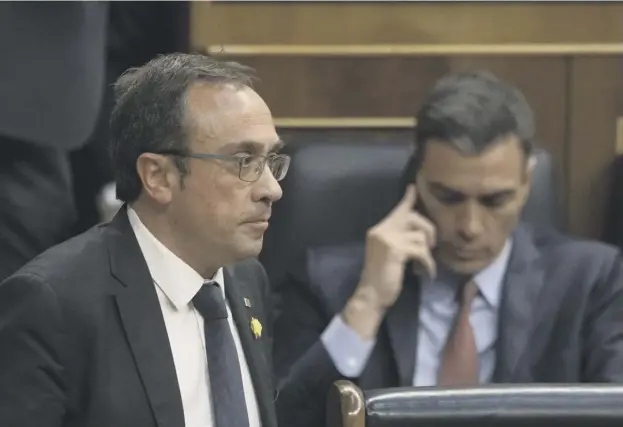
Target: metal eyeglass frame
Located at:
point(270, 159)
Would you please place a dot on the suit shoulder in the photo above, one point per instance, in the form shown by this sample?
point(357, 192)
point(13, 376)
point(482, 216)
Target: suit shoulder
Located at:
point(576, 251)
point(76, 260)
point(70, 278)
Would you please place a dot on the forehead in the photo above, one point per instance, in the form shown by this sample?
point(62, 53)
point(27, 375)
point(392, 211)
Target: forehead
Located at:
point(227, 114)
point(500, 166)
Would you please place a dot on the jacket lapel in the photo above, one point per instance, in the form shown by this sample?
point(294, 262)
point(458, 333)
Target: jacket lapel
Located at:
point(237, 289)
point(519, 306)
point(143, 322)
point(402, 326)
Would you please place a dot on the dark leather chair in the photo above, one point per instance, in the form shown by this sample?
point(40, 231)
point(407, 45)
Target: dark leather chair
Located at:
point(338, 188)
point(613, 224)
point(580, 405)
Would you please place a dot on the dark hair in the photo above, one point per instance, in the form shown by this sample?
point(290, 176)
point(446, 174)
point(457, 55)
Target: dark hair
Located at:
point(471, 111)
point(150, 110)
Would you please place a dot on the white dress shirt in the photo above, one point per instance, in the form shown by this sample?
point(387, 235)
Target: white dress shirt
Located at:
point(176, 285)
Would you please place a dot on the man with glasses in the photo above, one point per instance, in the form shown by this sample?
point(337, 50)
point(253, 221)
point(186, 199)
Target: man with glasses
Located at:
point(157, 318)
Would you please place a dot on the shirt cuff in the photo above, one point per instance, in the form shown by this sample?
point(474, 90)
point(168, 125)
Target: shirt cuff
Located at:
point(348, 351)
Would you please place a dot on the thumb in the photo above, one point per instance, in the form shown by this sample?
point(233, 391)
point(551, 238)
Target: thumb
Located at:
point(409, 198)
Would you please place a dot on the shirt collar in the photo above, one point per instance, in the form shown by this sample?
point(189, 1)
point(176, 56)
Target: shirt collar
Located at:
point(177, 280)
point(491, 279)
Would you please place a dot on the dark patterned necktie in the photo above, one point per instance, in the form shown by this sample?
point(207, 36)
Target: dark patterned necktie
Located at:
point(459, 364)
point(230, 409)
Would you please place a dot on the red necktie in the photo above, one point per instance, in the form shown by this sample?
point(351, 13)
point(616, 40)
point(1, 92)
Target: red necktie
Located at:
point(459, 363)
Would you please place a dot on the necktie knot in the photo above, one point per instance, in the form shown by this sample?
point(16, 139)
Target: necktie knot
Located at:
point(467, 293)
point(210, 302)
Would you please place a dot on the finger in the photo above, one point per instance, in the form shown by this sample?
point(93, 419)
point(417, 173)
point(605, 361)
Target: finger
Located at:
point(422, 258)
point(415, 221)
point(410, 197)
point(417, 237)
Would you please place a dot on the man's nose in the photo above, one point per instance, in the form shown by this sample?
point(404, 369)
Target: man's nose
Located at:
point(471, 221)
point(268, 187)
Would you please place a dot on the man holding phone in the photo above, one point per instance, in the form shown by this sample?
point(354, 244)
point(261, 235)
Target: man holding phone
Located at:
point(450, 289)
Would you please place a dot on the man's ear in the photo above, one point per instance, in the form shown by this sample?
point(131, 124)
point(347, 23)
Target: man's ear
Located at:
point(154, 171)
point(530, 166)
point(527, 181)
point(531, 163)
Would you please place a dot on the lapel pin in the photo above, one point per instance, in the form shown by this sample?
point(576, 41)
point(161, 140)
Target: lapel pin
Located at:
point(256, 328)
point(247, 302)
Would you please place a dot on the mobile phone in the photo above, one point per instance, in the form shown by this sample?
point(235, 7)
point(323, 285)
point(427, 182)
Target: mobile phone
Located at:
point(407, 178)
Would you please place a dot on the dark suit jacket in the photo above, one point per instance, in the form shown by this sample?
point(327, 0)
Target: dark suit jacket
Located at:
point(83, 341)
point(561, 320)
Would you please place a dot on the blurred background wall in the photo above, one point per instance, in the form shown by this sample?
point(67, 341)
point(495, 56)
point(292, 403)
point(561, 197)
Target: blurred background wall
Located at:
point(366, 65)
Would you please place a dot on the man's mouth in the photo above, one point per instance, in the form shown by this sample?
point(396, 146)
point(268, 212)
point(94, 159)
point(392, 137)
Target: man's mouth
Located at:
point(467, 254)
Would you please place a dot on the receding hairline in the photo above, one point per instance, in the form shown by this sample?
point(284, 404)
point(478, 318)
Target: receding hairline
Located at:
point(216, 94)
point(214, 99)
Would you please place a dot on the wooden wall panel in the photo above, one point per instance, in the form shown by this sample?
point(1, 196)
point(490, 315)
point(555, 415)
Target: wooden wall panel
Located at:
point(596, 100)
point(390, 87)
point(405, 22)
point(576, 96)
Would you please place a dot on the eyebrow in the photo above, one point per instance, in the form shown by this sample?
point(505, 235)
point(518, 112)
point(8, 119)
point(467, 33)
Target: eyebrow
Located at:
point(496, 192)
point(253, 146)
point(277, 146)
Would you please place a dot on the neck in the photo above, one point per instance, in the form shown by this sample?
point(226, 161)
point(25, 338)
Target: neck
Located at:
point(163, 229)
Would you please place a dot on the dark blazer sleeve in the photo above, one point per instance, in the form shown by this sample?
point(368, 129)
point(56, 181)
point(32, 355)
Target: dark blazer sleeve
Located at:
point(603, 326)
point(33, 382)
point(303, 367)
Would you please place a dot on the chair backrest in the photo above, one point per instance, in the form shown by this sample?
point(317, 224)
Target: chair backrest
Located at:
point(613, 222)
point(509, 405)
point(338, 188)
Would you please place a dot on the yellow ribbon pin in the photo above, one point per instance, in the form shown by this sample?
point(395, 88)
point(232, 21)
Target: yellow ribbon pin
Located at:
point(256, 328)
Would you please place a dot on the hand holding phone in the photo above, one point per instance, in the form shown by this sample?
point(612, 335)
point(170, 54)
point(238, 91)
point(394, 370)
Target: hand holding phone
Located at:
point(404, 235)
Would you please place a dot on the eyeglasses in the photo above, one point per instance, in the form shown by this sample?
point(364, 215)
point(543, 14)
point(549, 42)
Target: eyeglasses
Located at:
point(250, 167)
